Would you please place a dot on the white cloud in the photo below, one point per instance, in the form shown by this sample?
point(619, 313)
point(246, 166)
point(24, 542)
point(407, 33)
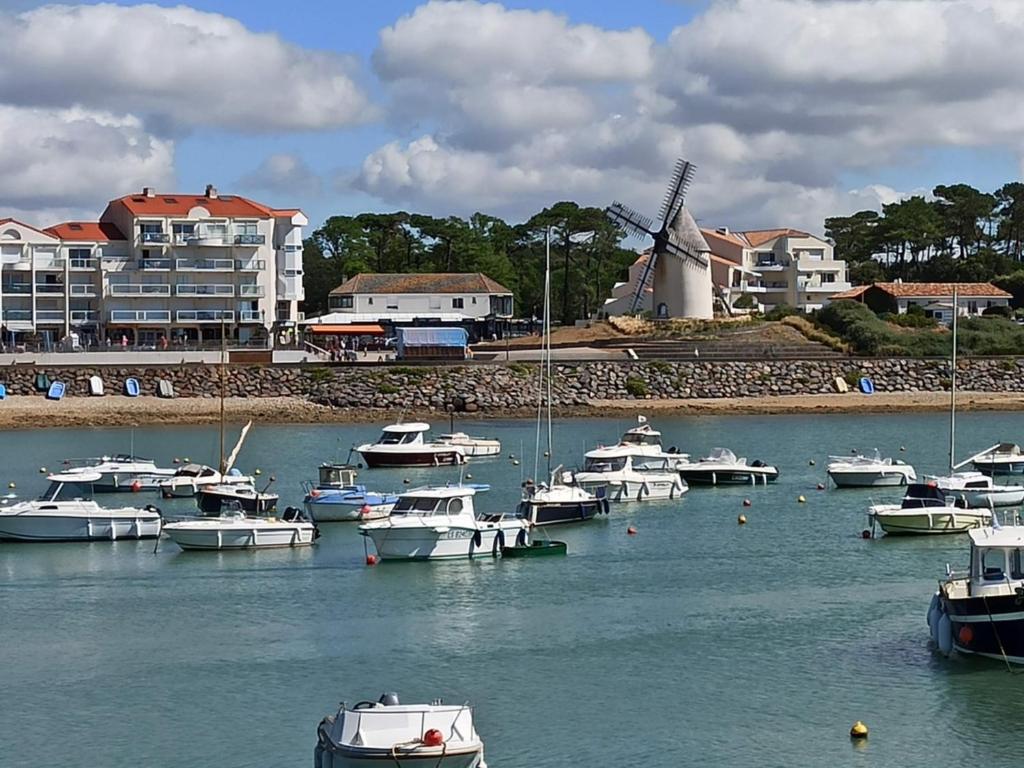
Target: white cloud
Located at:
point(179, 66)
point(56, 163)
point(283, 174)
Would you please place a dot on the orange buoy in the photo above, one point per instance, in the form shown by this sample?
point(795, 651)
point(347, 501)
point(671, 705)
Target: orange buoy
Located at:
point(136, 486)
point(631, 531)
point(747, 502)
point(433, 738)
point(965, 635)
point(371, 559)
point(365, 510)
point(314, 493)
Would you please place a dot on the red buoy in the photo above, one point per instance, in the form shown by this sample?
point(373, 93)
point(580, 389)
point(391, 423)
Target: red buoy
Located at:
point(865, 534)
point(365, 510)
point(747, 502)
point(631, 531)
point(965, 635)
point(433, 738)
point(371, 559)
point(136, 486)
point(314, 493)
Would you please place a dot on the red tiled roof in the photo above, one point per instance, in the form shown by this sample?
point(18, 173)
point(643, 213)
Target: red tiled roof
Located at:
point(173, 204)
point(730, 238)
point(942, 290)
point(853, 293)
point(86, 231)
point(470, 282)
point(758, 237)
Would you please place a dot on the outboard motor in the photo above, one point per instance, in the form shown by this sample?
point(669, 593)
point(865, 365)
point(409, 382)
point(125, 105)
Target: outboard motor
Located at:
point(388, 699)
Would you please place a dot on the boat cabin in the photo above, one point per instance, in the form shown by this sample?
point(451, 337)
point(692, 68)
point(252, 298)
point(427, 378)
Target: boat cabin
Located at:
point(642, 435)
point(997, 563)
point(196, 470)
point(921, 496)
point(424, 502)
point(621, 458)
point(403, 434)
point(75, 486)
point(336, 476)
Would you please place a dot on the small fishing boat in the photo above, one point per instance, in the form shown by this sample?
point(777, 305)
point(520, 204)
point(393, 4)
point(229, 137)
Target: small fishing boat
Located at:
point(927, 510)
point(560, 501)
point(978, 489)
point(440, 523)
point(56, 391)
point(1001, 459)
point(620, 475)
point(131, 387)
point(388, 733)
point(474, 447)
point(234, 529)
point(337, 497)
point(96, 386)
point(723, 467)
point(120, 473)
point(979, 612)
point(537, 548)
point(213, 499)
point(67, 512)
point(645, 440)
point(403, 445)
point(869, 471)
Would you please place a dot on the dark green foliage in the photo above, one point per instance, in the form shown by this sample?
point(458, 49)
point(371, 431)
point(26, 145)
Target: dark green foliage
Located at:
point(636, 386)
point(781, 311)
point(746, 301)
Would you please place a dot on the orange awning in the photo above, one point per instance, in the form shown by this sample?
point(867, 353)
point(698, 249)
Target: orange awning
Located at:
point(368, 329)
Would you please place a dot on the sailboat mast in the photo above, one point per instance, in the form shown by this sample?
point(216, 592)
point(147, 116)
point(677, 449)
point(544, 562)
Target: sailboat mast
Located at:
point(952, 389)
point(223, 392)
point(547, 336)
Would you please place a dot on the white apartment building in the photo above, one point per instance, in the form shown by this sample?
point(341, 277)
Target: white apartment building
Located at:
point(155, 266)
point(775, 266)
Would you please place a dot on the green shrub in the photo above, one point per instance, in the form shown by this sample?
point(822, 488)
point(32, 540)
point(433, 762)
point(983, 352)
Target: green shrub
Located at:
point(519, 369)
point(320, 375)
point(659, 365)
point(780, 311)
point(406, 370)
point(745, 301)
point(852, 378)
point(388, 389)
point(636, 386)
point(914, 319)
point(997, 312)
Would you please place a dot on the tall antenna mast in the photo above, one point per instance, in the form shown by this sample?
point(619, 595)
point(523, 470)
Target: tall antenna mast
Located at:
point(223, 391)
point(952, 389)
point(547, 336)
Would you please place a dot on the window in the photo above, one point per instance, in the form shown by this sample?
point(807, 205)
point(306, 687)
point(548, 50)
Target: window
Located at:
point(828, 277)
point(293, 273)
point(79, 253)
point(474, 299)
point(992, 563)
point(457, 303)
point(604, 465)
point(183, 230)
point(369, 300)
point(454, 506)
point(151, 227)
point(245, 227)
point(972, 307)
point(345, 302)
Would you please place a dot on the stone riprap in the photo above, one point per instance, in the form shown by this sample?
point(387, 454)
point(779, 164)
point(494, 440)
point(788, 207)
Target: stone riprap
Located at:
point(495, 388)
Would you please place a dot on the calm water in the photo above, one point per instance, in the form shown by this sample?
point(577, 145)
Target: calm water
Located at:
point(695, 642)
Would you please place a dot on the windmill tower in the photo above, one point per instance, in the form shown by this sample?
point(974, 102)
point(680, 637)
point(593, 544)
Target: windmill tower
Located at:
point(680, 264)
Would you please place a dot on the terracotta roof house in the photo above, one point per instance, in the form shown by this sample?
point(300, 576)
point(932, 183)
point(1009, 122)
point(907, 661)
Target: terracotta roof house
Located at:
point(936, 299)
point(473, 296)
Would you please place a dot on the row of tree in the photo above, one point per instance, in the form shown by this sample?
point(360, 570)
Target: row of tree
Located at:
point(586, 254)
point(960, 234)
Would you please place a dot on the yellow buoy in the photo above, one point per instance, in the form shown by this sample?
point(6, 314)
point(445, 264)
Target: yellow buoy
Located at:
point(801, 499)
point(859, 731)
point(742, 519)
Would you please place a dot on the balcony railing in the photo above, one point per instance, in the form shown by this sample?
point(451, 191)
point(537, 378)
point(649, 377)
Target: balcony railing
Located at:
point(49, 316)
point(50, 264)
point(192, 289)
point(83, 264)
point(253, 291)
point(140, 316)
point(205, 265)
point(83, 289)
point(822, 287)
point(81, 316)
point(139, 289)
point(250, 316)
point(17, 288)
point(250, 239)
point(18, 315)
point(156, 265)
point(250, 265)
point(205, 315)
point(154, 237)
point(49, 288)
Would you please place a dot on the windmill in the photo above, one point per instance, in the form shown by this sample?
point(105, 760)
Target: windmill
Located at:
point(679, 265)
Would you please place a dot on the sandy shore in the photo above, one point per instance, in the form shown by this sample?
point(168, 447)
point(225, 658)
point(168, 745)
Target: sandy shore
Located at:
point(34, 412)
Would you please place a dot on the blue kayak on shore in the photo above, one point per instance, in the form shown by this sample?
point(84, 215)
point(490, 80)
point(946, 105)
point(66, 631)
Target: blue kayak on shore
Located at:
point(866, 385)
point(56, 391)
point(131, 387)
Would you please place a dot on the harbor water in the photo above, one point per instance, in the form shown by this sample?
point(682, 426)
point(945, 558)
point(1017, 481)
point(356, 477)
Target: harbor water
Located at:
point(694, 642)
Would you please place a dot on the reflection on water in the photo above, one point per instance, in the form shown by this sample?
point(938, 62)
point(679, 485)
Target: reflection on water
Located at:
point(694, 642)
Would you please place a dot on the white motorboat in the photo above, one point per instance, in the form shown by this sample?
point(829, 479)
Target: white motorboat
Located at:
point(124, 473)
point(236, 530)
point(404, 445)
point(388, 733)
point(621, 475)
point(723, 467)
point(869, 471)
point(926, 509)
point(440, 523)
point(474, 447)
point(337, 497)
point(67, 512)
point(645, 440)
point(560, 501)
point(1002, 459)
point(188, 479)
point(978, 489)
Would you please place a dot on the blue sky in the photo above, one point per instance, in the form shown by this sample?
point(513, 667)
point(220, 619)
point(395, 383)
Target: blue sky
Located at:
point(791, 109)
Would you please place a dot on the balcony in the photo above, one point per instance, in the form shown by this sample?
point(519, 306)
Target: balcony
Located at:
point(209, 239)
point(49, 288)
point(83, 316)
point(252, 291)
point(156, 265)
point(205, 316)
point(192, 289)
point(83, 289)
point(140, 316)
point(749, 288)
point(139, 289)
point(819, 287)
point(17, 288)
point(250, 316)
point(205, 265)
point(52, 264)
point(84, 264)
point(250, 239)
point(48, 316)
point(18, 315)
point(250, 265)
point(147, 238)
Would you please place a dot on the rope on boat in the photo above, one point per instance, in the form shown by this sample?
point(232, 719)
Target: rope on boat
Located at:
point(999, 640)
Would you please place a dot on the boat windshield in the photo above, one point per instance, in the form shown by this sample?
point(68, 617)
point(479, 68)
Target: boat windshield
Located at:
point(604, 464)
point(59, 491)
point(634, 438)
point(426, 505)
point(990, 564)
point(398, 438)
point(650, 465)
point(337, 476)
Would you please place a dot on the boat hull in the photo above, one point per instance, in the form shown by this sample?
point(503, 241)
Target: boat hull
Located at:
point(326, 511)
point(434, 458)
point(1015, 467)
point(727, 476)
point(868, 479)
point(212, 502)
point(28, 527)
point(633, 490)
point(422, 757)
point(128, 482)
point(992, 627)
point(924, 522)
point(541, 513)
point(241, 537)
point(442, 542)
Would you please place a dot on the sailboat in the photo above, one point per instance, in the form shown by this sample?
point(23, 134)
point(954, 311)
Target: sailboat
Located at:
point(560, 499)
point(937, 507)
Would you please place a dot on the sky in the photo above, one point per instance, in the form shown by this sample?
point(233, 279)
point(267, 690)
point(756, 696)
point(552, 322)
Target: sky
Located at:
point(792, 110)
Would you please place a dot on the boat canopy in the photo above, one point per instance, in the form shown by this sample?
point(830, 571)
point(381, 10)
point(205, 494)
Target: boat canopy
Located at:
point(642, 435)
point(80, 476)
point(721, 456)
point(412, 426)
point(1003, 449)
point(1010, 536)
point(920, 495)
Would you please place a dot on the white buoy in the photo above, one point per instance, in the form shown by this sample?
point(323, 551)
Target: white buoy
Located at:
point(945, 635)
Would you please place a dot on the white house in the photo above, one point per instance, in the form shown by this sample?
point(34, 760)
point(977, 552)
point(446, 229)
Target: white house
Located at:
point(621, 300)
point(156, 265)
point(935, 299)
point(471, 296)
